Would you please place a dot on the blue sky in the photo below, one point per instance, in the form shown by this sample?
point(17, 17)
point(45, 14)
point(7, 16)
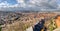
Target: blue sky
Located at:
point(12, 2)
point(58, 1)
point(31, 4)
point(15, 2)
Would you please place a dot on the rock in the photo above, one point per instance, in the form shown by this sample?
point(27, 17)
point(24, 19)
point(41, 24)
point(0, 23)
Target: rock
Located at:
point(29, 29)
point(57, 21)
point(58, 29)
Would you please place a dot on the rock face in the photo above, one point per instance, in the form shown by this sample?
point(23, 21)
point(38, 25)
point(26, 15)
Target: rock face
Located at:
point(29, 29)
point(10, 18)
point(13, 27)
point(58, 29)
point(58, 21)
point(21, 21)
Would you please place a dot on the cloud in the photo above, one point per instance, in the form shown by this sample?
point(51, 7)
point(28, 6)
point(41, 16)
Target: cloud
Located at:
point(32, 4)
point(19, 4)
point(42, 4)
point(58, 6)
point(4, 4)
point(20, 1)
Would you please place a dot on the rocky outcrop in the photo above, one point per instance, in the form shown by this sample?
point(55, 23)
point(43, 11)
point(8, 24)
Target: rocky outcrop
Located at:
point(21, 21)
point(58, 29)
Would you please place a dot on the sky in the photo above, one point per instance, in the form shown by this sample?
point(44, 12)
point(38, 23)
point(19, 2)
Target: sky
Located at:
point(30, 4)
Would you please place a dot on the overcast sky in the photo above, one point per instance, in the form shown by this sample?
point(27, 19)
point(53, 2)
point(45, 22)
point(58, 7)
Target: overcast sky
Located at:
point(30, 4)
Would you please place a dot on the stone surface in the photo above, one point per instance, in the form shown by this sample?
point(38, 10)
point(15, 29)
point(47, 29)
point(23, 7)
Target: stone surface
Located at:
point(29, 29)
point(58, 29)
